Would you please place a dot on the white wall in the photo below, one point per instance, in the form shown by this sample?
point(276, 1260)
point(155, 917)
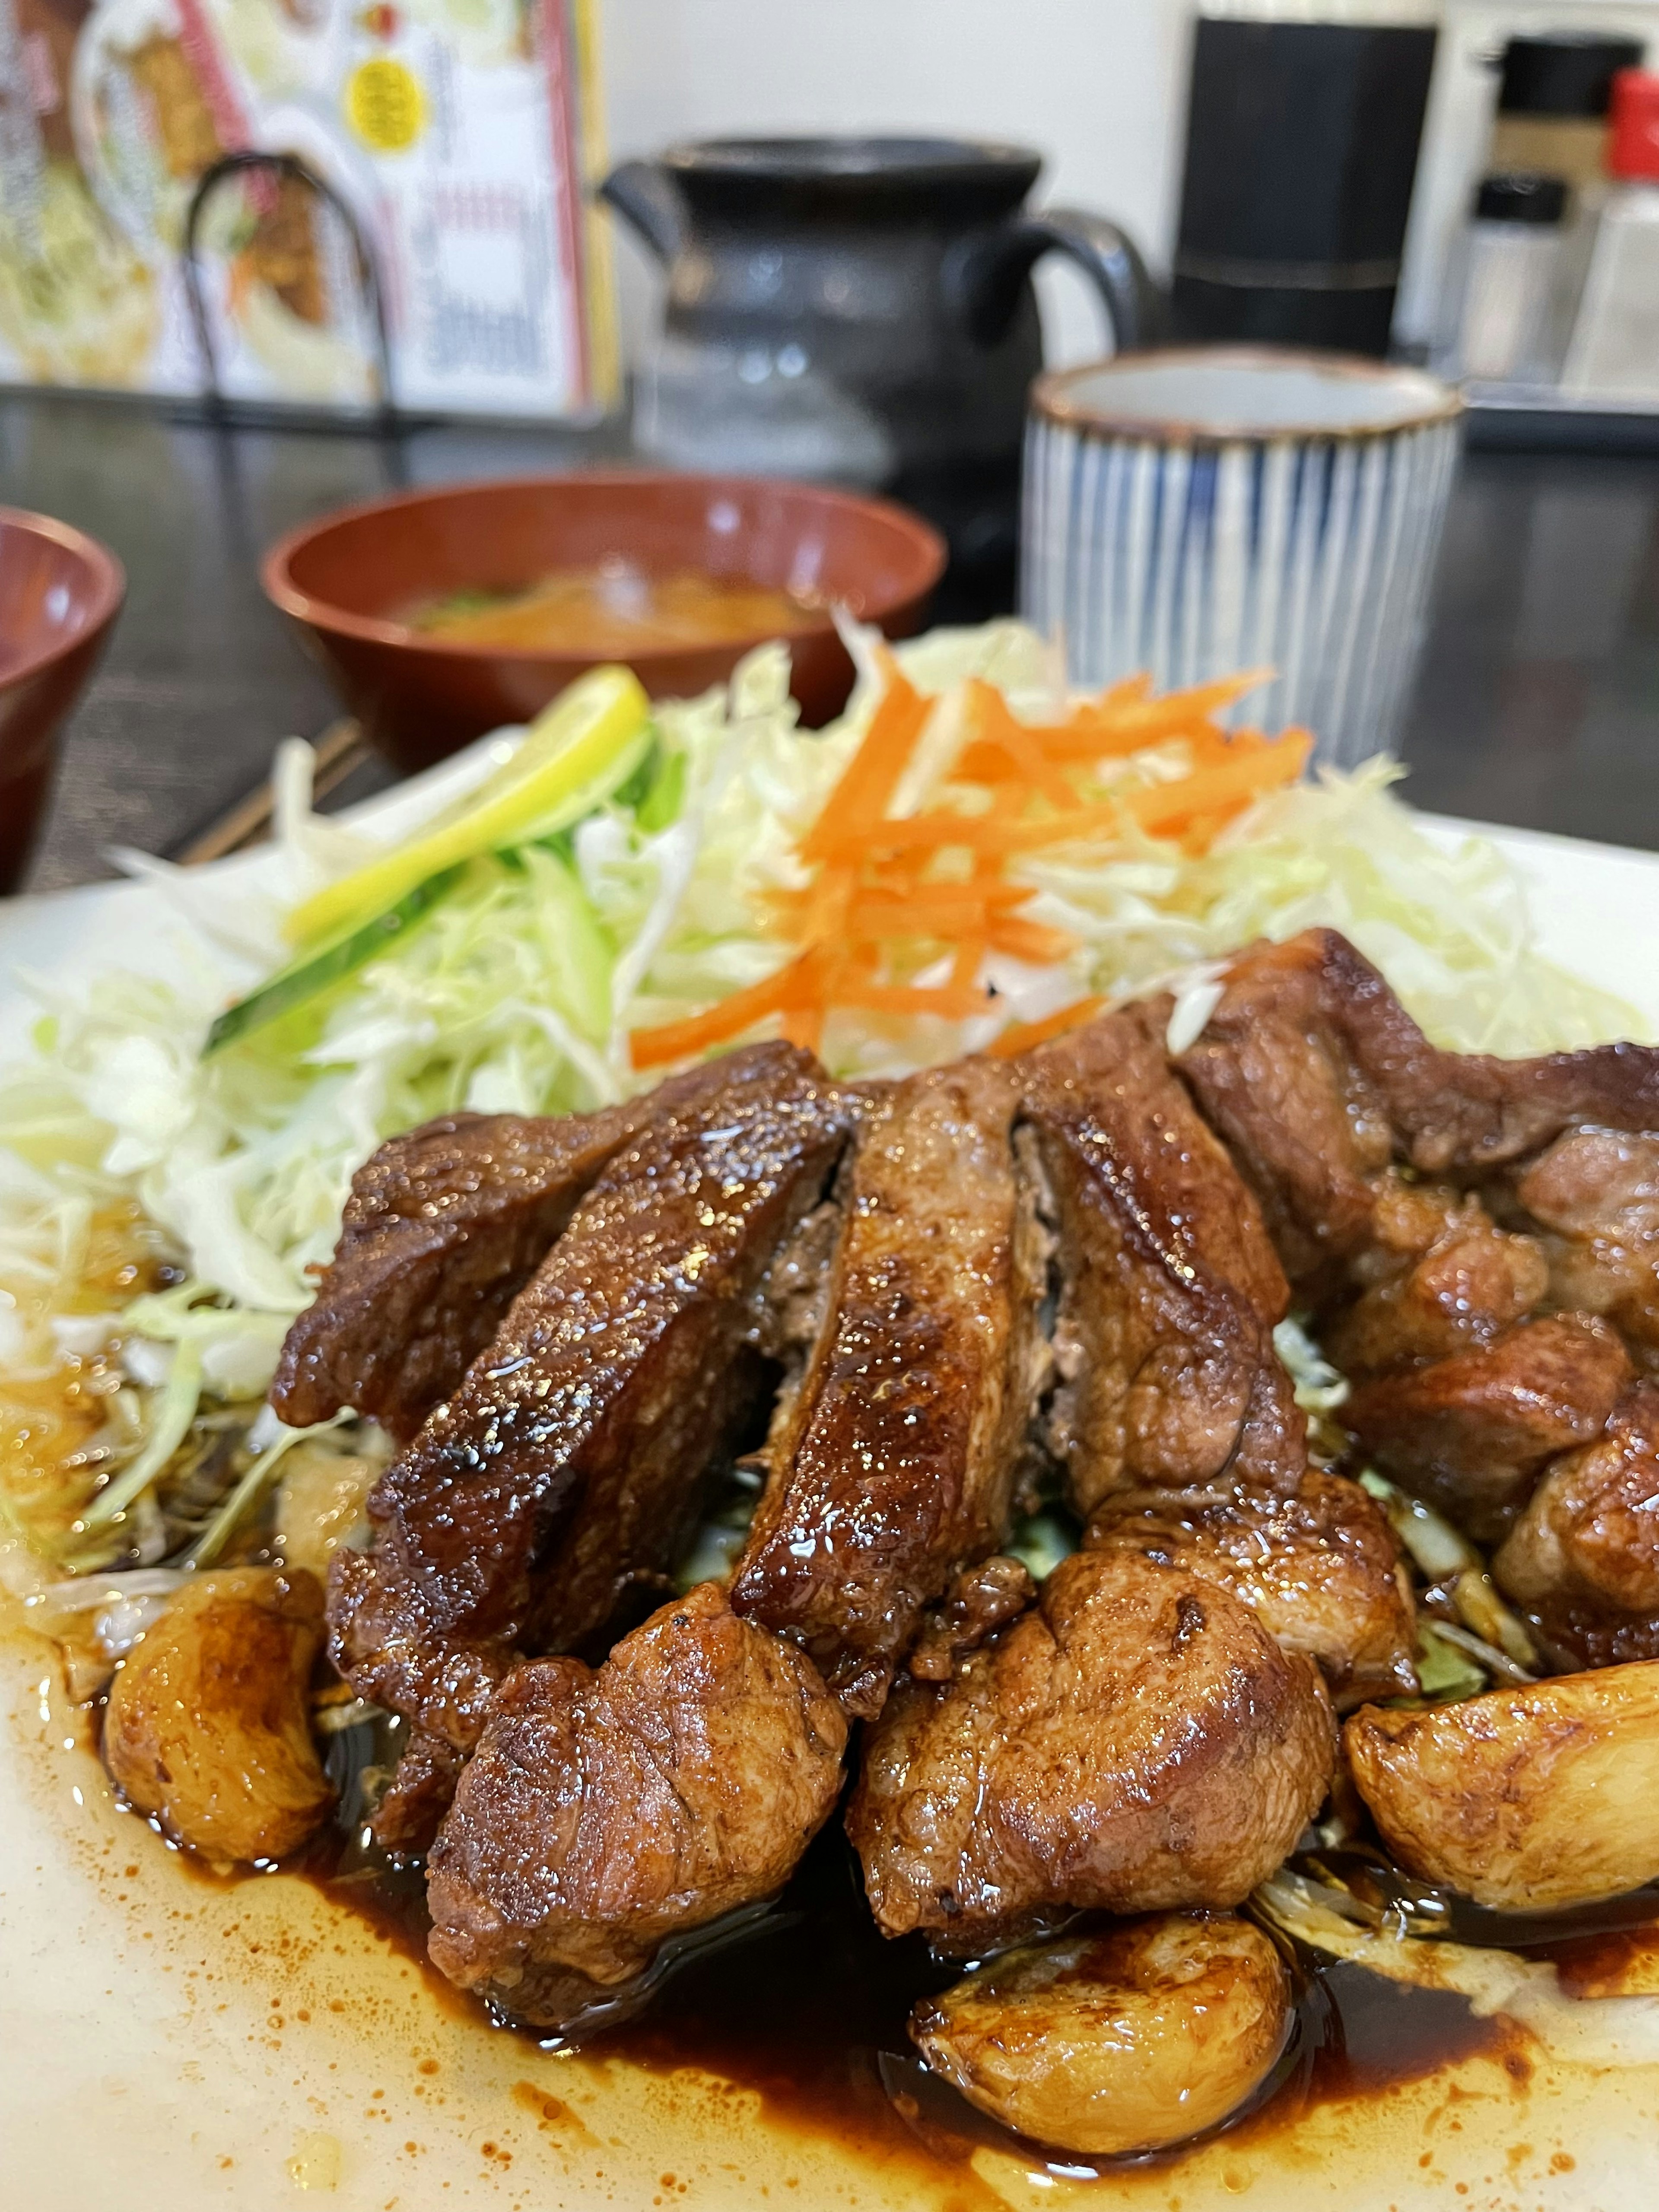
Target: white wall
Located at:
point(1099, 85)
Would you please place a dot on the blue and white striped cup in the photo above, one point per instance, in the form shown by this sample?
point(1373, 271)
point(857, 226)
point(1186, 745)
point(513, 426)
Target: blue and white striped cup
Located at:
point(1201, 510)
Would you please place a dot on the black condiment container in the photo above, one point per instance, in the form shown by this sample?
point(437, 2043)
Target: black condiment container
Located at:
point(1301, 145)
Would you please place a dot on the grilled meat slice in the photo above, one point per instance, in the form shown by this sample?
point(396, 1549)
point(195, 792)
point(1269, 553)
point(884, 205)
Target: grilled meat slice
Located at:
point(895, 1463)
point(1316, 1076)
point(1277, 1076)
point(1583, 1558)
point(1321, 1570)
point(1169, 1287)
point(441, 1230)
point(568, 1462)
point(1471, 1432)
point(1595, 1195)
point(606, 1811)
point(1136, 1741)
point(1438, 1276)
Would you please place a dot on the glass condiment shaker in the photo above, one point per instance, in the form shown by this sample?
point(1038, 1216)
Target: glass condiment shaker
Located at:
point(1614, 349)
point(1502, 328)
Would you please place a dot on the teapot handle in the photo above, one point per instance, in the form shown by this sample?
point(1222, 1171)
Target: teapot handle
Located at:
point(648, 201)
point(991, 269)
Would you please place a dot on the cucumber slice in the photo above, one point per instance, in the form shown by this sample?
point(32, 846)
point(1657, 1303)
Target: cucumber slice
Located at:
point(575, 753)
point(305, 978)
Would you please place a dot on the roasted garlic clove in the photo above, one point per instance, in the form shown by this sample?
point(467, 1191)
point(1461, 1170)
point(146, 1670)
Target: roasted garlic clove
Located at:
point(320, 1500)
point(208, 1726)
point(1524, 1799)
point(1124, 2041)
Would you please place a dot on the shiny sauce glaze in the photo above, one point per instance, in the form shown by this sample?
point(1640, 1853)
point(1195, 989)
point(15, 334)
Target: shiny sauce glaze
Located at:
point(807, 2007)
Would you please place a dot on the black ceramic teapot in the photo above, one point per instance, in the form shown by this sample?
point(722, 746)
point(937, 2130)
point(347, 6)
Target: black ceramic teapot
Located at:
point(859, 311)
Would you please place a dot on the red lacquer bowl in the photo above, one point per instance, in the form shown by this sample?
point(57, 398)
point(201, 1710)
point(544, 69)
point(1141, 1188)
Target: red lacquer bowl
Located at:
point(60, 591)
point(350, 581)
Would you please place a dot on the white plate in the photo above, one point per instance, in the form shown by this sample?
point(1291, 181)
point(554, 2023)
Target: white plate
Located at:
point(167, 2044)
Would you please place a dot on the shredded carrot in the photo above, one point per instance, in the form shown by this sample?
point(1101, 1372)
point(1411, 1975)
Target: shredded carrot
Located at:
point(871, 777)
point(1020, 1036)
point(949, 999)
point(1023, 747)
point(1168, 808)
point(786, 990)
point(887, 895)
point(1028, 940)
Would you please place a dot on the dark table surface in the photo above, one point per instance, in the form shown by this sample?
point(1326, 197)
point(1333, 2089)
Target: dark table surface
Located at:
point(1538, 701)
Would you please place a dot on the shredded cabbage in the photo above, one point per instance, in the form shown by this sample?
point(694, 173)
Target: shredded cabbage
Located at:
point(518, 991)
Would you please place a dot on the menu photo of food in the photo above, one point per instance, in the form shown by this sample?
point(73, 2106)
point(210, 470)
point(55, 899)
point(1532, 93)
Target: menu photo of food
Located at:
point(438, 152)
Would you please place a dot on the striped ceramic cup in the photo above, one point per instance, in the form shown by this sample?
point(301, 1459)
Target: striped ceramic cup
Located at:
point(1202, 510)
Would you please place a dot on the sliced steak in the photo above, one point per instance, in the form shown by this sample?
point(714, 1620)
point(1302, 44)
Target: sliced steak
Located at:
point(894, 1463)
point(441, 1230)
point(1169, 1287)
point(1472, 1432)
point(1321, 1570)
point(604, 1812)
point(569, 1462)
point(1138, 1741)
point(1583, 1558)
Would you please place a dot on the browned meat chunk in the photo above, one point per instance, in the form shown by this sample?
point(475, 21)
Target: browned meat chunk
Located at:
point(1171, 1291)
point(1321, 1570)
point(1315, 1075)
point(604, 1812)
point(982, 1600)
point(1596, 1193)
point(1137, 1742)
point(441, 1230)
point(1470, 1433)
point(569, 1462)
point(894, 1463)
point(1583, 1558)
point(1438, 1276)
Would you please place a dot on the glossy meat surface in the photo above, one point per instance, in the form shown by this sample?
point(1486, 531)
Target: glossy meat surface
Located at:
point(1315, 1075)
point(982, 1600)
point(894, 1465)
point(1170, 1288)
point(568, 1463)
point(1137, 1742)
point(1583, 1558)
point(1438, 1276)
point(441, 1230)
point(604, 1812)
point(1321, 1570)
point(1595, 1195)
point(1472, 1432)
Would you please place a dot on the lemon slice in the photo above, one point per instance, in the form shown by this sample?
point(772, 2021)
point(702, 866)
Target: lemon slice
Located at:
point(574, 754)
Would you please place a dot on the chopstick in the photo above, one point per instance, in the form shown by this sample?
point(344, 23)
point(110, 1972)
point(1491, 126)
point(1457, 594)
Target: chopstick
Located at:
point(341, 748)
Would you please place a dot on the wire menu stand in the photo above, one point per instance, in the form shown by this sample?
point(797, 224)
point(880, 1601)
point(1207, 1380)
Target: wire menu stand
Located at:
point(384, 414)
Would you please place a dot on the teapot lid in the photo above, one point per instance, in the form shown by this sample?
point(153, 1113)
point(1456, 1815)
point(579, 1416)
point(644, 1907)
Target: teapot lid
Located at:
point(853, 169)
